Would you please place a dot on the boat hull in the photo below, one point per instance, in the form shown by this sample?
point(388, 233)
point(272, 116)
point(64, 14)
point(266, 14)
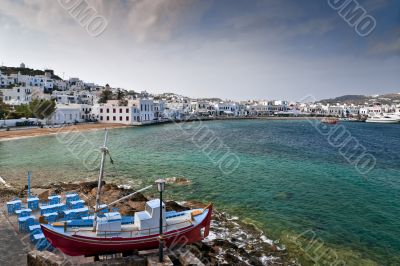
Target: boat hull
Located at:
point(75, 245)
point(383, 121)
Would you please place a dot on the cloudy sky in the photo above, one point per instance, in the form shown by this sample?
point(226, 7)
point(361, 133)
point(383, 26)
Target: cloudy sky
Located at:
point(267, 49)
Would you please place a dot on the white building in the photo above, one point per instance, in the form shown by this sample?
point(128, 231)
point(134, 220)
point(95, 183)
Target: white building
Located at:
point(159, 108)
point(336, 110)
point(146, 109)
point(6, 81)
point(23, 94)
point(371, 111)
point(226, 108)
point(112, 112)
point(66, 114)
point(202, 107)
point(180, 106)
point(71, 113)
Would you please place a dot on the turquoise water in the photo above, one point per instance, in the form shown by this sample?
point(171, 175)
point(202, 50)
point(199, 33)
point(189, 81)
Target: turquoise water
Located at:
point(289, 179)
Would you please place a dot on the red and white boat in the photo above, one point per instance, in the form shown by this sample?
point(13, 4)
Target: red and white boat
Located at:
point(183, 228)
point(109, 235)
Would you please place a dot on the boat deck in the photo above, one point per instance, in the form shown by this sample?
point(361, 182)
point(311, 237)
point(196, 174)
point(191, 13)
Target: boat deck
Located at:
point(180, 221)
point(130, 230)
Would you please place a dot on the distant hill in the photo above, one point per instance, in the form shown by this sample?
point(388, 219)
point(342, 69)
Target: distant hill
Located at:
point(24, 71)
point(391, 98)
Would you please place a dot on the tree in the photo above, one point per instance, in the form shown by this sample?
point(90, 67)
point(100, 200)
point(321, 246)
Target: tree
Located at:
point(4, 110)
point(24, 110)
point(105, 96)
point(121, 94)
point(42, 108)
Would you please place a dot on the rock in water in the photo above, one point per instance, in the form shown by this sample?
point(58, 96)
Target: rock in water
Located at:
point(177, 180)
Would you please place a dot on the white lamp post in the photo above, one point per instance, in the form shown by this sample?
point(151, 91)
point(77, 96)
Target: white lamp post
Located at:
point(161, 187)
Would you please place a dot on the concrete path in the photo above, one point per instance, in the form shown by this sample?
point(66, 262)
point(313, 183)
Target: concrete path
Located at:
point(13, 248)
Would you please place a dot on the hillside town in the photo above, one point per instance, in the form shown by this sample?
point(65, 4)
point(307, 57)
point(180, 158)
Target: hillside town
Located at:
point(76, 101)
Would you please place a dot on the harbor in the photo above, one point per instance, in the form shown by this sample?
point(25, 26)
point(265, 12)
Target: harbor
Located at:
point(70, 227)
point(264, 182)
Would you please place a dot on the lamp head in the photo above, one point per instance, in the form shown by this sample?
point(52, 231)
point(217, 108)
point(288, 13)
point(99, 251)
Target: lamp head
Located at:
point(160, 185)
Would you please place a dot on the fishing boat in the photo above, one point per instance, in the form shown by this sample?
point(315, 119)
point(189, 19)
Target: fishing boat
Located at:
point(388, 119)
point(109, 235)
point(330, 120)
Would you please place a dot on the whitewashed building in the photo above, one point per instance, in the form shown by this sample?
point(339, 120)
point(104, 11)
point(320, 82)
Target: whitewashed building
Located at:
point(371, 110)
point(6, 81)
point(146, 109)
point(159, 109)
point(226, 108)
point(113, 112)
point(336, 110)
point(66, 114)
point(17, 95)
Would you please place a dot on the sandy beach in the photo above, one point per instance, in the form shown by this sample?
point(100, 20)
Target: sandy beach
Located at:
point(18, 133)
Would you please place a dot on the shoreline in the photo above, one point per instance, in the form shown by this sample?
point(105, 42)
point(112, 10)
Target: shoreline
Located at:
point(22, 133)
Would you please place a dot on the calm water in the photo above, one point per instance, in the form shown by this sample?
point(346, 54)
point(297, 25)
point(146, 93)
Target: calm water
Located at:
point(289, 180)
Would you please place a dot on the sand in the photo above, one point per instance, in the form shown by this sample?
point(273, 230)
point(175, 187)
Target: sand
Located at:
point(18, 133)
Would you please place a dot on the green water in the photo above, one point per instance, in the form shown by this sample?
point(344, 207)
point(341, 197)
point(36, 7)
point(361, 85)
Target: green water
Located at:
point(289, 179)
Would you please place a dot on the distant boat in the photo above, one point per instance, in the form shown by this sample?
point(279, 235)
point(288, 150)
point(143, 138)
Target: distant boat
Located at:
point(330, 120)
point(388, 119)
point(350, 119)
point(109, 235)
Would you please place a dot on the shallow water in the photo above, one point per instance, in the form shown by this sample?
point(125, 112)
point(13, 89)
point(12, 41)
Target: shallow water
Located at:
point(289, 180)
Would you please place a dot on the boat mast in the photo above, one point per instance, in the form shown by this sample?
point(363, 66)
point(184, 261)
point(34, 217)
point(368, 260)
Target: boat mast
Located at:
point(104, 151)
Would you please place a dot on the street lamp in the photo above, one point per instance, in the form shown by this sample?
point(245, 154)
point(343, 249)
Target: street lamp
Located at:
point(161, 187)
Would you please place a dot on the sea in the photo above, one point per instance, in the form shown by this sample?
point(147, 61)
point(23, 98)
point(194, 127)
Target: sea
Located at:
point(292, 179)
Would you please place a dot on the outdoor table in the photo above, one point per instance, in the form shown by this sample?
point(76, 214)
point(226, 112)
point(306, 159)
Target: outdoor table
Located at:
point(34, 227)
point(76, 213)
point(56, 199)
point(77, 204)
point(23, 212)
point(71, 197)
point(102, 206)
point(14, 205)
point(25, 222)
point(33, 203)
point(52, 208)
point(50, 217)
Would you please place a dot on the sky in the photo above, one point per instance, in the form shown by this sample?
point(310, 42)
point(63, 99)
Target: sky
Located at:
point(231, 49)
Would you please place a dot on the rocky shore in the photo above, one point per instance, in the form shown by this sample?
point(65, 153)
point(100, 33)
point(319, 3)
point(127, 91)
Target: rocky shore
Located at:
point(230, 242)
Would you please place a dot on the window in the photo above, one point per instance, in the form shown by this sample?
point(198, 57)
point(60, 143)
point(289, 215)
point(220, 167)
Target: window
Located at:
point(127, 118)
point(101, 118)
point(101, 110)
point(127, 110)
point(114, 118)
point(108, 110)
point(17, 89)
point(120, 110)
point(113, 110)
point(108, 118)
point(120, 118)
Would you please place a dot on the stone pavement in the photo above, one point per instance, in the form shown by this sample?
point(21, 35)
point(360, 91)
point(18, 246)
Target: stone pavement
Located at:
point(13, 248)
